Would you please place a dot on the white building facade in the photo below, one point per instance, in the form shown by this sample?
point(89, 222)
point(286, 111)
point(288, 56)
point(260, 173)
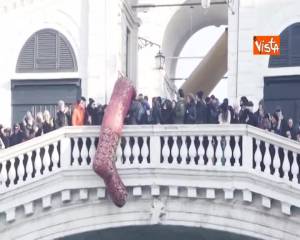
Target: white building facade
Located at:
point(248, 74)
point(102, 37)
point(98, 34)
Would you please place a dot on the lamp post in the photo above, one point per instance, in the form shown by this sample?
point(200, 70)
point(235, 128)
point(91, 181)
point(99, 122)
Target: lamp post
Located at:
point(159, 60)
point(159, 57)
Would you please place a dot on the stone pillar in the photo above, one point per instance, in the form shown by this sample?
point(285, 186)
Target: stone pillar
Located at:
point(243, 75)
point(95, 84)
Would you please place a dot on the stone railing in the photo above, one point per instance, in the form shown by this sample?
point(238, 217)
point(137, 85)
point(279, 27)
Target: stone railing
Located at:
point(224, 148)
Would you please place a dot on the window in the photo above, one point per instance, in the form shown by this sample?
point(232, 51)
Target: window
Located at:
point(289, 48)
point(283, 91)
point(46, 51)
point(41, 94)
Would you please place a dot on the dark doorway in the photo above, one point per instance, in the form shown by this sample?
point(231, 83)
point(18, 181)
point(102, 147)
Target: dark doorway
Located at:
point(38, 95)
point(283, 91)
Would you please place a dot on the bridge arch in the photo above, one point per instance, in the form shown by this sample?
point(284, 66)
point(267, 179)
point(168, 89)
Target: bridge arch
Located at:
point(81, 206)
point(183, 24)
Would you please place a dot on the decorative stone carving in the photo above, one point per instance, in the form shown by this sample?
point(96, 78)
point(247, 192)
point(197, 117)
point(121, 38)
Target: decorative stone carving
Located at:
point(157, 211)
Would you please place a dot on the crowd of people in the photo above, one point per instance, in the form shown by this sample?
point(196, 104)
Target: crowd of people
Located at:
point(190, 109)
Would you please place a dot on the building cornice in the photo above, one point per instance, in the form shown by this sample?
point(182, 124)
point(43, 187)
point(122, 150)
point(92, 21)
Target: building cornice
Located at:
point(130, 14)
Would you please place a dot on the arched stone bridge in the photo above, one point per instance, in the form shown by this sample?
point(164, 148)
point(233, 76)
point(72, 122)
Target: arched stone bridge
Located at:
point(200, 180)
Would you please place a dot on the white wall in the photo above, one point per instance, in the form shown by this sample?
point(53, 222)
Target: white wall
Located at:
point(154, 22)
point(18, 23)
point(256, 17)
point(95, 30)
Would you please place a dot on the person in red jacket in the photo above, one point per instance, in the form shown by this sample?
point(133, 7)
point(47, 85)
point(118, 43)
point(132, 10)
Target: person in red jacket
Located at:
point(78, 116)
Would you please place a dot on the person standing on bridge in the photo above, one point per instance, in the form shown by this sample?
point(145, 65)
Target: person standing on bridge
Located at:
point(225, 114)
point(201, 109)
point(2, 146)
point(62, 117)
point(180, 108)
point(191, 112)
point(17, 135)
point(78, 116)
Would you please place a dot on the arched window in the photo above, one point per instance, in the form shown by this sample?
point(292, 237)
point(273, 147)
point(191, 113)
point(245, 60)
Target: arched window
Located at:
point(46, 51)
point(289, 48)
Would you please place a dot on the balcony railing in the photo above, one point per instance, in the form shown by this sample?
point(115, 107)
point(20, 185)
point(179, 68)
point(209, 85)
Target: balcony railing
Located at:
point(218, 147)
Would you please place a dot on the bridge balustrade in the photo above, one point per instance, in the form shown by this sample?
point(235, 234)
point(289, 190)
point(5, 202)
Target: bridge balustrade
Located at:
point(224, 148)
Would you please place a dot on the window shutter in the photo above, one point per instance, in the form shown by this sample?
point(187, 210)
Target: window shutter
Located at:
point(295, 46)
point(283, 59)
point(289, 48)
point(26, 61)
point(47, 51)
point(65, 56)
point(46, 46)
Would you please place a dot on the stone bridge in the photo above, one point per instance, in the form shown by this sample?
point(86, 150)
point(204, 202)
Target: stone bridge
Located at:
point(198, 181)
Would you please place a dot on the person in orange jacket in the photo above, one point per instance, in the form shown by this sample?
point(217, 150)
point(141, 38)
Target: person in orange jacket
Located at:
point(78, 116)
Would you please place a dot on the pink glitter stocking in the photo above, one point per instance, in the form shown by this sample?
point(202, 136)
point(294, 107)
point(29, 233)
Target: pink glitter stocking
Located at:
point(111, 129)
